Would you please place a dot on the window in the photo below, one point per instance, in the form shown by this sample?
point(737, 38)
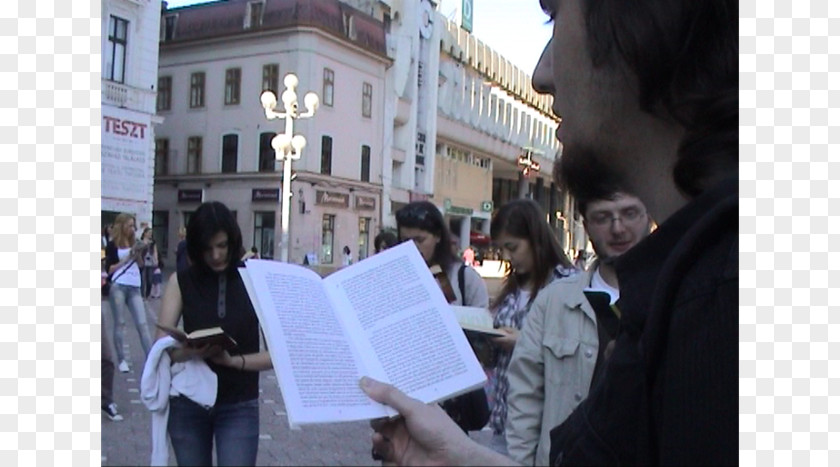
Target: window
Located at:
point(365, 176)
point(230, 151)
point(197, 90)
point(233, 77)
point(364, 237)
point(327, 236)
point(194, 155)
point(164, 93)
point(267, 157)
point(168, 29)
point(162, 156)
point(326, 155)
point(271, 78)
point(160, 230)
point(187, 217)
point(264, 233)
point(117, 45)
point(255, 16)
point(329, 87)
point(367, 97)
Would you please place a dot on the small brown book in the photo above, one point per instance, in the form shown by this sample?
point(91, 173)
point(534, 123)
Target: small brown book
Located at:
point(201, 337)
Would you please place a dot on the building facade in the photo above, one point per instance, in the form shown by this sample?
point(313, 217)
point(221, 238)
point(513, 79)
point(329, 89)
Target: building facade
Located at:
point(129, 79)
point(216, 60)
point(412, 107)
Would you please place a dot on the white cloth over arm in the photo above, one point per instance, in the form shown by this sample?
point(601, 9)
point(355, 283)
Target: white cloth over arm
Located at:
point(161, 379)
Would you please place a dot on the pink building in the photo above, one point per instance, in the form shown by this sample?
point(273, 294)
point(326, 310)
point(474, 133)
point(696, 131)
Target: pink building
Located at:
point(412, 107)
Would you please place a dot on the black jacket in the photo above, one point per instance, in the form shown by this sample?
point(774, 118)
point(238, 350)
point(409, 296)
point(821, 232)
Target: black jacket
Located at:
point(669, 392)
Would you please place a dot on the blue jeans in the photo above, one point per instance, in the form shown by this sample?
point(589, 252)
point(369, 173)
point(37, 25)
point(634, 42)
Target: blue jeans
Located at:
point(127, 296)
point(192, 428)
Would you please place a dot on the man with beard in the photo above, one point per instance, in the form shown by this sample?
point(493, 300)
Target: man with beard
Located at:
point(565, 337)
point(648, 93)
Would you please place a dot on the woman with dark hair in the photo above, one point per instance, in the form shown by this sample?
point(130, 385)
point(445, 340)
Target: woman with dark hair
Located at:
point(534, 259)
point(384, 240)
point(207, 294)
point(422, 222)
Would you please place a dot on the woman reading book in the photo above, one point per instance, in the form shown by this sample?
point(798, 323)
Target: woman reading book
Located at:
point(534, 260)
point(422, 223)
point(210, 293)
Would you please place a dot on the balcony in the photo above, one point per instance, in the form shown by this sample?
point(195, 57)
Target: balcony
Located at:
point(121, 95)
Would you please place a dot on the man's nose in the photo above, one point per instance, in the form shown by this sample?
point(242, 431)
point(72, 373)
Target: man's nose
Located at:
point(543, 73)
point(617, 225)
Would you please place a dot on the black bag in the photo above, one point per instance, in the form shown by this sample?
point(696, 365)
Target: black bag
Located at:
point(470, 410)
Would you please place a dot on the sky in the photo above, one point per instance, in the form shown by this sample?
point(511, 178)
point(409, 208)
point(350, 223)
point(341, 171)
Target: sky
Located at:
point(515, 29)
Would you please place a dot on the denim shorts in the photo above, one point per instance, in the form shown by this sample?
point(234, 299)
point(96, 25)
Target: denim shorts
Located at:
point(235, 427)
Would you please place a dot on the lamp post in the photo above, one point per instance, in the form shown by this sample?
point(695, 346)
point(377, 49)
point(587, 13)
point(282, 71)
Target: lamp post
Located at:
point(287, 146)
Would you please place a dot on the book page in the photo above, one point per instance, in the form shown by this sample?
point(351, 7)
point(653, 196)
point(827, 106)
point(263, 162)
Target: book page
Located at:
point(316, 366)
point(476, 319)
point(410, 336)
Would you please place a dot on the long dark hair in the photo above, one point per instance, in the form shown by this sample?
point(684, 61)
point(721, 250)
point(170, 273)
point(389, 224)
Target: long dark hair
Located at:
point(685, 55)
point(209, 219)
point(523, 218)
point(426, 216)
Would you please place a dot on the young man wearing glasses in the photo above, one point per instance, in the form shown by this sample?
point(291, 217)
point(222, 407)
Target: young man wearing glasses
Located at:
point(564, 337)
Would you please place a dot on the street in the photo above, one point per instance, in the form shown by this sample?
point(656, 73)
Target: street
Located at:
point(128, 442)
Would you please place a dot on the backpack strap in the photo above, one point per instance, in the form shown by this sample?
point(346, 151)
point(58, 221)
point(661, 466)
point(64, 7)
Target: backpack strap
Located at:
point(461, 285)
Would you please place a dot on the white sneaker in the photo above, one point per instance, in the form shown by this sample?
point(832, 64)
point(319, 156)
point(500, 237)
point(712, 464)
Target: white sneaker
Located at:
point(124, 366)
point(111, 412)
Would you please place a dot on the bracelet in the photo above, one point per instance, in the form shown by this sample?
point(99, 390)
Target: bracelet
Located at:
point(242, 368)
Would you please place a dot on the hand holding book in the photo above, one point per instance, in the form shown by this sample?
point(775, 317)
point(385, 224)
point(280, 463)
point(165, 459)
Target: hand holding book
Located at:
point(203, 339)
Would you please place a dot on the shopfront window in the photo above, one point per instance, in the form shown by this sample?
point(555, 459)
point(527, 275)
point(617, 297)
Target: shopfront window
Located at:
point(364, 237)
point(327, 238)
point(264, 233)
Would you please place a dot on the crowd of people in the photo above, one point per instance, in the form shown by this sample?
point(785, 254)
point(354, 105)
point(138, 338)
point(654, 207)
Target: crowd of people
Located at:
point(631, 359)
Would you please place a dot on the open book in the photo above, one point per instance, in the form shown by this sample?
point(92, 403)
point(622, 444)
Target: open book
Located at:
point(201, 337)
point(384, 317)
point(476, 319)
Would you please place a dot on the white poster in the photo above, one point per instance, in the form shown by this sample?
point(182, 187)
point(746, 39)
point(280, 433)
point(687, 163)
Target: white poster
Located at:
point(126, 150)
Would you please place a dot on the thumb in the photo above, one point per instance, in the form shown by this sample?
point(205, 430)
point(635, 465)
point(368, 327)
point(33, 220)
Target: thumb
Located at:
point(388, 395)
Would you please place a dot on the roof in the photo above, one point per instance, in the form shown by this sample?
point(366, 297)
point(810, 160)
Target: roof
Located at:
point(220, 19)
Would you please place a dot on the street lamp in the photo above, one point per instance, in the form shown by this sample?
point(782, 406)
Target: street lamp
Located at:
point(287, 146)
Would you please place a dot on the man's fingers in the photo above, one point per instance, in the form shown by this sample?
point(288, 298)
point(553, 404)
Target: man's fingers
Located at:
point(388, 395)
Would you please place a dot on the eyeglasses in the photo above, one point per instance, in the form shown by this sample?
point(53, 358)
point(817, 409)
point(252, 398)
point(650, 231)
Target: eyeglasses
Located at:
point(626, 216)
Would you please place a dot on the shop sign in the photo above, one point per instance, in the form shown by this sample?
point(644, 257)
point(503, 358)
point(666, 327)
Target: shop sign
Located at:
point(331, 198)
point(190, 196)
point(366, 203)
point(459, 210)
point(265, 194)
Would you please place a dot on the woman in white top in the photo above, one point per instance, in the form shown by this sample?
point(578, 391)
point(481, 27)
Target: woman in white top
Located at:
point(123, 259)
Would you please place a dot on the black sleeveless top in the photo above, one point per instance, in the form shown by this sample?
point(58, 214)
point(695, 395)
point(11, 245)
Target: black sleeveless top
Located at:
point(220, 299)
